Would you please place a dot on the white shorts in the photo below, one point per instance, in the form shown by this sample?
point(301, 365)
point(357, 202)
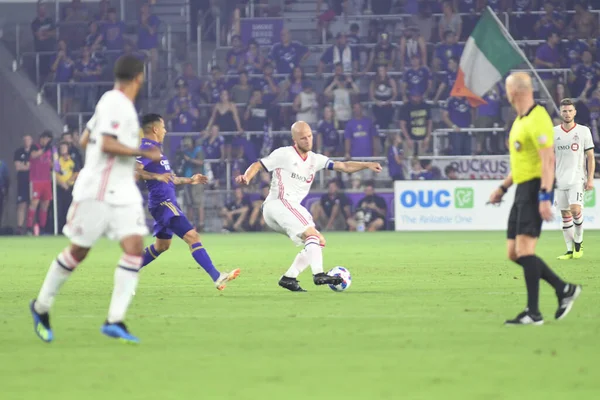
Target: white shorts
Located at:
point(564, 198)
point(88, 220)
point(290, 219)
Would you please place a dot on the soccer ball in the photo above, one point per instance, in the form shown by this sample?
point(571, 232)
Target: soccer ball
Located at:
point(344, 274)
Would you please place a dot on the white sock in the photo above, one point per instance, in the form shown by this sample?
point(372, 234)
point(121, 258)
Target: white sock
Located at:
point(126, 280)
point(300, 264)
point(314, 253)
point(60, 270)
point(578, 222)
point(568, 232)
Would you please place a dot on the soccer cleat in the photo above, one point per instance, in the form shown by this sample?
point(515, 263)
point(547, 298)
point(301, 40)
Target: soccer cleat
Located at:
point(290, 284)
point(526, 318)
point(324, 279)
point(41, 324)
point(118, 330)
point(221, 282)
point(578, 253)
point(566, 300)
point(567, 256)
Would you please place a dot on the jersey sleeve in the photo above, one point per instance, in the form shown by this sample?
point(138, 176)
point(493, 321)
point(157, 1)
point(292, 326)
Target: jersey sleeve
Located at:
point(323, 162)
point(588, 141)
point(112, 121)
point(542, 130)
point(276, 159)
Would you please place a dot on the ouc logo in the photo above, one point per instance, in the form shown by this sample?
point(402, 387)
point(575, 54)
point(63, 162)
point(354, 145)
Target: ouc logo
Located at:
point(463, 198)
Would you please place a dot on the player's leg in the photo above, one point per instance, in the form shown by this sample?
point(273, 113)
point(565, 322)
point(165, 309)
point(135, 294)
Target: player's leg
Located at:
point(43, 213)
point(33, 205)
point(568, 234)
point(160, 245)
point(577, 212)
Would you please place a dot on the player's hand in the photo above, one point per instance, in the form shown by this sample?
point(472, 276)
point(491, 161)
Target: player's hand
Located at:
point(375, 167)
point(153, 154)
point(199, 179)
point(589, 185)
point(165, 178)
point(241, 180)
point(546, 210)
point(496, 196)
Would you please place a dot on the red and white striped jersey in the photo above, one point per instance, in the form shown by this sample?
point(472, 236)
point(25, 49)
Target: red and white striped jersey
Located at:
point(105, 177)
point(292, 174)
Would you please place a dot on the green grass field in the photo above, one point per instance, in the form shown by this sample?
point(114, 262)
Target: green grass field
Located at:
point(422, 320)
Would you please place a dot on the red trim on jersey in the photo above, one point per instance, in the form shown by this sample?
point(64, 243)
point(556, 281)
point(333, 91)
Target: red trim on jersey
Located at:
point(287, 205)
point(567, 131)
point(105, 177)
point(300, 155)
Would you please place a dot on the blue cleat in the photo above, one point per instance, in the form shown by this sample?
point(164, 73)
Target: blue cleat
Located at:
point(41, 324)
point(118, 330)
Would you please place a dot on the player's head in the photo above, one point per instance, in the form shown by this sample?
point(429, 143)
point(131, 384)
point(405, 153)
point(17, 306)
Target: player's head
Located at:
point(27, 141)
point(567, 110)
point(154, 127)
point(129, 71)
point(45, 138)
point(518, 86)
point(302, 136)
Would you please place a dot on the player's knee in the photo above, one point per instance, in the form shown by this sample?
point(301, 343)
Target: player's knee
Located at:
point(78, 253)
point(162, 246)
point(133, 245)
point(512, 255)
point(191, 237)
point(565, 213)
point(575, 209)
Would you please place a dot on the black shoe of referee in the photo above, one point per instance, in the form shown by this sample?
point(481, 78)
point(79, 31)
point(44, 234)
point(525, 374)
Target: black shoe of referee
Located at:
point(526, 318)
point(566, 300)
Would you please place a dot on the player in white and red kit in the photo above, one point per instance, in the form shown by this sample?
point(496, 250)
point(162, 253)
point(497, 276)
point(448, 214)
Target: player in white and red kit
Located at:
point(106, 201)
point(294, 169)
point(574, 146)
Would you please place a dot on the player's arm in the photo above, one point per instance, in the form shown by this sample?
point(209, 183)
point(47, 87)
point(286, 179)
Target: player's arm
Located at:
point(194, 180)
point(350, 167)
point(250, 173)
point(37, 153)
point(112, 146)
point(591, 168)
point(85, 138)
point(150, 176)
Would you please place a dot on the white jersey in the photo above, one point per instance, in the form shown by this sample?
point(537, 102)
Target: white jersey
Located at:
point(292, 174)
point(570, 147)
point(104, 177)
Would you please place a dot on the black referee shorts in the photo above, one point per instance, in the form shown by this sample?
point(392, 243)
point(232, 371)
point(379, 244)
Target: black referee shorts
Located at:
point(525, 218)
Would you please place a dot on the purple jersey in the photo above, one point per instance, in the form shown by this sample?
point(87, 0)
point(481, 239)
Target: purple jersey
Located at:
point(113, 35)
point(212, 149)
point(361, 133)
point(287, 57)
point(146, 39)
point(447, 51)
point(459, 111)
point(330, 135)
point(550, 54)
point(417, 79)
point(572, 51)
point(158, 192)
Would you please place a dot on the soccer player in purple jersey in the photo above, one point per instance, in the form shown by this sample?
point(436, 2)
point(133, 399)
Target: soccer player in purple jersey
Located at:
point(162, 203)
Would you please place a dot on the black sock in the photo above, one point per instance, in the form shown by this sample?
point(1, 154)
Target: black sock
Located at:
point(533, 271)
point(549, 276)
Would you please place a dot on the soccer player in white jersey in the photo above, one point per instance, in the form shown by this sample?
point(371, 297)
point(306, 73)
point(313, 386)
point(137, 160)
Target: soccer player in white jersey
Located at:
point(106, 201)
point(294, 168)
point(574, 146)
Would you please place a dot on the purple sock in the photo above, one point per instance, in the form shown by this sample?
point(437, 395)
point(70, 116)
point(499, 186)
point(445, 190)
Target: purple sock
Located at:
point(150, 254)
point(203, 259)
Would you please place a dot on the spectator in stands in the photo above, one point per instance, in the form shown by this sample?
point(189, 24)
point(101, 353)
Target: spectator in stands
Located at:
point(584, 75)
point(74, 24)
point(447, 81)
point(79, 10)
point(94, 37)
point(339, 53)
point(129, 50)
point(241, 91)
point(332, 210)
point(63, 68)
point(547, 56)
point(489, 116)
point(328, 138)
point(256, 119)
point(382, 92)
point(239, 159)
point(423, 170)
point(353, 37)
point(87, 71)
point(416, 125)
point(254, 60)
point(447, 50)
point(371, 212)
point(44, 38)
point(293, 85)
point(112, 35)
point(21, 160)
point(549, 22)
point(395, 158)
point(497, 6)
point(416, 79)
point(521, 25)
point(101, 17)
point(469, 20)
point(425, 22)
point(361, 135)
point(148, 36)
point(214, 86)
point(306, 105)
point(335, 8)
point(256, 222)
point(225, 115)
point(236, 56)
point(288, 53)
point(65, 179)
point(40, 159)
point(584, 22)
point(384, 53)
point(182, 109)
point(459, 115)
point(340, 90)
point(573, 49)
point(214, 149)
point(235, 213)
point(450, 21)
point(74, 152)
point(451, 172)
point(412, 44)
point(194, 83)
point(4, 185)
point(193, 157)
point(268, 84)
